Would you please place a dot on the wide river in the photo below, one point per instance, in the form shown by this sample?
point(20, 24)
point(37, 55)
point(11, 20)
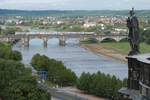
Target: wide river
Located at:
point(74, 57)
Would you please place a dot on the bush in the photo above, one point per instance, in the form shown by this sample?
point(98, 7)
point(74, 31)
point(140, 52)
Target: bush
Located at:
point(7, 53)
point(16, 81)
point(145, 36)
point(16, 55)
point(101, 85)
point(57, 72)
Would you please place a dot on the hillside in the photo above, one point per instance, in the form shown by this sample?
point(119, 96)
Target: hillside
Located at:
point(75, 13)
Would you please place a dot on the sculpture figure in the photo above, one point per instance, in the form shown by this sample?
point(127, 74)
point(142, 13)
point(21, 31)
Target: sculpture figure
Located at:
point(133, 37)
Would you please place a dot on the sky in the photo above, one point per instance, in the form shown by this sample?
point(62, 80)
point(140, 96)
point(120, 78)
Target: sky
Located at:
point(74, 4)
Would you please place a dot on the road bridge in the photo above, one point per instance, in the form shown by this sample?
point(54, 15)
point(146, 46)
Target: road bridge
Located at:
point(25, 37)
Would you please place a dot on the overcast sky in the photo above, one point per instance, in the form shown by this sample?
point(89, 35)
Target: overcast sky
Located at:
point(74, 4)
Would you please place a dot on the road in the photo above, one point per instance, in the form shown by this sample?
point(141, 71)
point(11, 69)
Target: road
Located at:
point(68, 93)
point(65, 93)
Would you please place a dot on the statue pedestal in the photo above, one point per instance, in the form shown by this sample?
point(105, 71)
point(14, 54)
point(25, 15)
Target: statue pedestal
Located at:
point(138, 77)
point(131, 53)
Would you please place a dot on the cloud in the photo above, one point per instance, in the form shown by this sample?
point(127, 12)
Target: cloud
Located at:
point(74, 4)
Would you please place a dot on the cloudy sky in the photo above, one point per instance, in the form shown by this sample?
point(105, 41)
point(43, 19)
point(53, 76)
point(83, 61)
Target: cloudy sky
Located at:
point(74, 4)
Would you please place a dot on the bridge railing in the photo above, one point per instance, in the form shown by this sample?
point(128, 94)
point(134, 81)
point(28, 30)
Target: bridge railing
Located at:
point(20, 33)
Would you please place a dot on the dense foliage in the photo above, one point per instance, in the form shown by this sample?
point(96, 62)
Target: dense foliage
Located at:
point(16, 81)
point(57, 72)
point(9, 30)
point(101, 85)
point(145, 36)
point(7, 53)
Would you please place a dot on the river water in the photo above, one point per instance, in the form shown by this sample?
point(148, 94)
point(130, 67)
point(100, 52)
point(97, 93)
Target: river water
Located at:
point(74, 57)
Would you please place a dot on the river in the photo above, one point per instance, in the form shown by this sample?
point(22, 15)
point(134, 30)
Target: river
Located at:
point(74, 57)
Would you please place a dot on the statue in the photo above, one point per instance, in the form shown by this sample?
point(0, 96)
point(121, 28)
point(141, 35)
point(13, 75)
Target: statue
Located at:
point(133, 36)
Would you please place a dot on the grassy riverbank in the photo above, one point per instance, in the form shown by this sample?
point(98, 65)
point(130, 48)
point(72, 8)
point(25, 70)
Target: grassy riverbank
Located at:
point(112, 49)
point(124, 47)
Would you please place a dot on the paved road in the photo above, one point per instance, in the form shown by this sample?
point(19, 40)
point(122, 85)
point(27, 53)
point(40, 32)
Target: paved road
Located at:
point(67, 93)
point(62, 94)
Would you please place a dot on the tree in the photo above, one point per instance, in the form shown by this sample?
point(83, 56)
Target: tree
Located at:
point(146, 37)
point(40, 62)
point(84, 81)
point(101, 85)
point(16, 81)
point(25, 88)
point(9, 30)
point(57, 72)
point(7, 53)
point(16, 55)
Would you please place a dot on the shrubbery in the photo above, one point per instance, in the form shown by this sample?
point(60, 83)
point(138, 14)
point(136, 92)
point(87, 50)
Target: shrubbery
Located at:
point(57, 72)
point(7, 53)
point(9, 30)
point(101, 85)
point(16, 81)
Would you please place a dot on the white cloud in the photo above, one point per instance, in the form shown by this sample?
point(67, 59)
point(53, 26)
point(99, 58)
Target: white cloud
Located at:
point(74, 4)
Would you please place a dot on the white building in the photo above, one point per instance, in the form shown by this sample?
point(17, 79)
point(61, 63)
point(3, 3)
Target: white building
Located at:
point(87, 25)
point(59, 22)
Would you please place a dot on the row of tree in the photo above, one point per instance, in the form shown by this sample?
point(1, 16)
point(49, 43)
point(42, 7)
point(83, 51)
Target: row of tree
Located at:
point(10, 30)
point(57, 72)
point(101, 85)
point(16, 81)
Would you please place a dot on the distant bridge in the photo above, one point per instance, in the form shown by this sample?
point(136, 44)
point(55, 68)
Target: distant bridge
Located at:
point(25, 37)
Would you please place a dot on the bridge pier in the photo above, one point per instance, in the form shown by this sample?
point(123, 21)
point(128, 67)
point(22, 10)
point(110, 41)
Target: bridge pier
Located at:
point(25, 42)
point(99, 38)
point(45, 42)
point(62, 41)
point(83, 38)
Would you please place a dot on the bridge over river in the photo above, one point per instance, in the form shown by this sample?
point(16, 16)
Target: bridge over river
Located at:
point(25, 37)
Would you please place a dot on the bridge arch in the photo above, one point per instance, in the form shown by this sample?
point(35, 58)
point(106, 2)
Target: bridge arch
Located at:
point(53, 41)
point(123, 39)
point(93, 39)
point(108, 39)
point(36, 41)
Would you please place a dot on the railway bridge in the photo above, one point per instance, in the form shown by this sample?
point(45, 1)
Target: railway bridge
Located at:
point(25, 37)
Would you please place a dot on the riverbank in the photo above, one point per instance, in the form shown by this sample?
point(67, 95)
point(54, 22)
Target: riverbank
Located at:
point(115, 50)
point(106, 51)
point(79, 93)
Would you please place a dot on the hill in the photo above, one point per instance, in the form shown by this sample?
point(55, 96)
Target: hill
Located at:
point(70, 13)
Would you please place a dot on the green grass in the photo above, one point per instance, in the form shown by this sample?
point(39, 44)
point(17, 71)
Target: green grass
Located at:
point(124, 47)
point(90, 41)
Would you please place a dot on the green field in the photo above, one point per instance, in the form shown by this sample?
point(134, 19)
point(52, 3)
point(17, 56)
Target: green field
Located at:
point(124, 47)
